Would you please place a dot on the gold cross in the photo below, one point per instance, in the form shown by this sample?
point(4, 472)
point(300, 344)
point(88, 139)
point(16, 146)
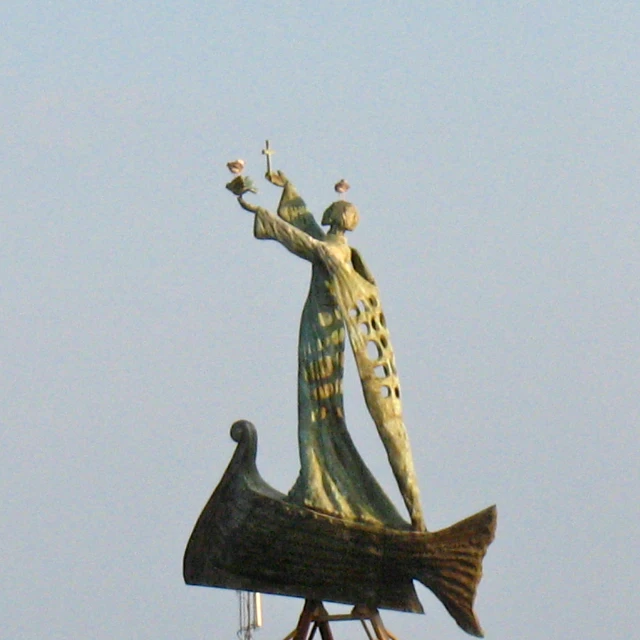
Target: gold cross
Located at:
point(267, 151)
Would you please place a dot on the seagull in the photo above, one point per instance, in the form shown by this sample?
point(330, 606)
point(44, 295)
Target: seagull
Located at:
point(236, 166)
point(342, 186)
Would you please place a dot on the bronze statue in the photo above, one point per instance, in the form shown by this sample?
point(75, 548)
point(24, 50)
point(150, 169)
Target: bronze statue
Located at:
point(336, 535)
point(343, 293)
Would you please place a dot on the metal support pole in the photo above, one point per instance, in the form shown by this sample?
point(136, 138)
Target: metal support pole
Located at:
point(314, 617)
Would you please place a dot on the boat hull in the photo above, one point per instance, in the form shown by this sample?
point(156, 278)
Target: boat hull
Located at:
point(250, 537)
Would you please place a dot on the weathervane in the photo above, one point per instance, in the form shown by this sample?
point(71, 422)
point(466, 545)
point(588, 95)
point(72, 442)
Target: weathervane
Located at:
point(335, 536)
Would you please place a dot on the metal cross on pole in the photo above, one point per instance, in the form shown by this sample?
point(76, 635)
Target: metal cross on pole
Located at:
point(267, 151)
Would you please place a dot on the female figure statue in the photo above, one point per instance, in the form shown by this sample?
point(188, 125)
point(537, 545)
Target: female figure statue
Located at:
point(343, 294)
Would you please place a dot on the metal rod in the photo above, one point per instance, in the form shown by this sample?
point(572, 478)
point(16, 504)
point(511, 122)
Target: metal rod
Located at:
point(314, 617)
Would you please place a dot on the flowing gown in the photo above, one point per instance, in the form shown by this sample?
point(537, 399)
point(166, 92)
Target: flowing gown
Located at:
point(333, 477)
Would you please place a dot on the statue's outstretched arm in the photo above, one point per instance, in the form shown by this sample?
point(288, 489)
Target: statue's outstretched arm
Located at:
point(269, 227)
point(293, 208)
point(247, 206)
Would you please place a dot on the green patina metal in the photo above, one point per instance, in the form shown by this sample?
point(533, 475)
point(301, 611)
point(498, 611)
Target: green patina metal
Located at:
point(336, 536)
point(343, 301)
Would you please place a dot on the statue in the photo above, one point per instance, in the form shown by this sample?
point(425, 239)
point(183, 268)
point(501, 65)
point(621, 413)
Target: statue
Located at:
point(336, 509)
point(333, 478)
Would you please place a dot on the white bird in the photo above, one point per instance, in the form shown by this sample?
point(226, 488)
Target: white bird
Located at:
point(236, 166)
point(342, 186)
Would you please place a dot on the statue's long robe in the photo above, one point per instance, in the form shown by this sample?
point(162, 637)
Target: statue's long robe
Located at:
point(333, 477)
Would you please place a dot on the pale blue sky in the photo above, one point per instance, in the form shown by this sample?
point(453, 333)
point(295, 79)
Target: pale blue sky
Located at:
point(493, 150)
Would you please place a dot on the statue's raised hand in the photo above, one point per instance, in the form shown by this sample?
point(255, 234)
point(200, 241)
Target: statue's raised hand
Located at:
point(241, 185)
point(276, 177)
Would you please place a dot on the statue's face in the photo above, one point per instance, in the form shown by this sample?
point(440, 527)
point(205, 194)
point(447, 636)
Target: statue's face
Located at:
point(350, 218)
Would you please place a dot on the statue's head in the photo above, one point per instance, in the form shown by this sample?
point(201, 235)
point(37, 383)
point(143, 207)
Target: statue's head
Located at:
point(342, 215)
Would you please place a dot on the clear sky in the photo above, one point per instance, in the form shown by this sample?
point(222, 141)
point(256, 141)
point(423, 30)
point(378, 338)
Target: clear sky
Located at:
point(493, 150)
